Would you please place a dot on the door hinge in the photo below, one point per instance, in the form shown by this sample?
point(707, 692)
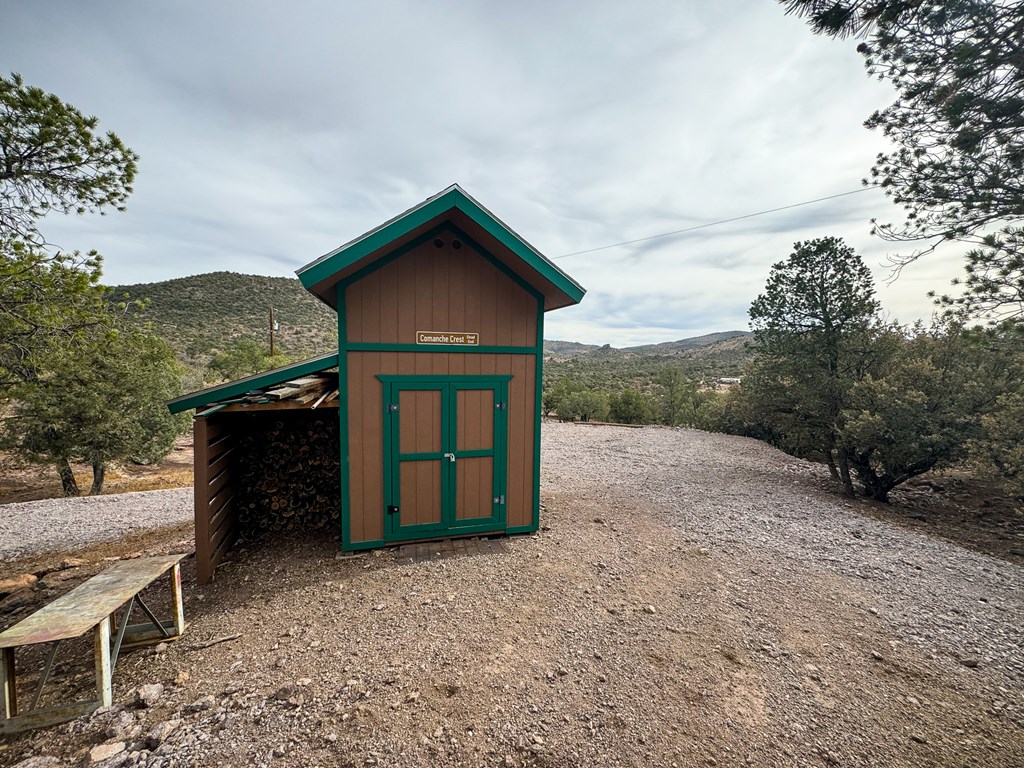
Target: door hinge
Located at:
point(499, 500)
point(501, 405)
point(392, 407)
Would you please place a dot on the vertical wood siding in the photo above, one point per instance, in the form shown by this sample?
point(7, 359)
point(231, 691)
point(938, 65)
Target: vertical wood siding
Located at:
point(438, 288)
point(215, 494)
point(366, 418)
point(435, 288)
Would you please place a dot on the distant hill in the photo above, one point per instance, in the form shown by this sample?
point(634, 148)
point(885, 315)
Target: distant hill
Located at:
point(682, 345)
point(198, 315)
point(567, 348)
point(557, 348)
point(703, 358)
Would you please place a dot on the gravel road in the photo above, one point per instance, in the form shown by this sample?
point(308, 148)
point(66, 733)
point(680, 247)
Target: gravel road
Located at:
point(739, 496)
point(691, 600)
point(53, 525)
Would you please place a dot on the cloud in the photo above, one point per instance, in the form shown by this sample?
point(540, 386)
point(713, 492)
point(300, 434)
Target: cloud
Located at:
point(271, 133)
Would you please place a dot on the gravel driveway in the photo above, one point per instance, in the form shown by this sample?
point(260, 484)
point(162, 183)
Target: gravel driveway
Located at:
point(53, 525)
point(741, 497)
point(691, 600)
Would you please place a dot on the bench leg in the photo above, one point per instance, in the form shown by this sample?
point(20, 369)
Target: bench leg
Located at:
point(101, 654)
point(9, 693)
point(177, 608)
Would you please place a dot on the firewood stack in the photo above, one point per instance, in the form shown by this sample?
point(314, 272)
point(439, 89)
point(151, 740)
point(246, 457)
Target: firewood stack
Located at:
point(288, 472)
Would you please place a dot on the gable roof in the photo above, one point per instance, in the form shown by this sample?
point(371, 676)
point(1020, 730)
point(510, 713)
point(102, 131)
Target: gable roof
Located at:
point(456, 205)
point(239, 387)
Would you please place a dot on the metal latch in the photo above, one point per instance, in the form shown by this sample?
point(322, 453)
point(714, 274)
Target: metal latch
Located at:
point(392, 509)
point(501, 405)
point(498, 500)
point(392, 407)
point(450, 457)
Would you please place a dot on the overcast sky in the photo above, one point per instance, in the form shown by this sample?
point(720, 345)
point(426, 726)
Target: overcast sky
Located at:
point(272, 132)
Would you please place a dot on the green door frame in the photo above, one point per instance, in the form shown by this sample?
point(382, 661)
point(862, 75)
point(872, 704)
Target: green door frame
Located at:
point(449, 387)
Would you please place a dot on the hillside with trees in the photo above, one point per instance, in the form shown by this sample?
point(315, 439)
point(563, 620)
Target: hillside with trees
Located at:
point(201, 316)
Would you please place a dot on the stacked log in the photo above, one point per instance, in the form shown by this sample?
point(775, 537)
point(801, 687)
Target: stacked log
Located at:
point(288, 472)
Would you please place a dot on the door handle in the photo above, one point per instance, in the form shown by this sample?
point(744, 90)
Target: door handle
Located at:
point(450, 457)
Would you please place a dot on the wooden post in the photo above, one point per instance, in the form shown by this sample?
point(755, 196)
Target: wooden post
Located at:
point(178, 610)
point(201, 482)
point(8, 684)
point(101, 653)
point(272, 329)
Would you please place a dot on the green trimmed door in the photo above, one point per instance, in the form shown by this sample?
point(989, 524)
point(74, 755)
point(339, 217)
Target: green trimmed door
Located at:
point(444, 455)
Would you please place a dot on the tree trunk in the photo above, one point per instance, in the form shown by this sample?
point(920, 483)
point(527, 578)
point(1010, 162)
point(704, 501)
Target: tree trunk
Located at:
point(99, 471)
point(844, 473)
point(878, 487)
point(830, 459)
point(67, 478)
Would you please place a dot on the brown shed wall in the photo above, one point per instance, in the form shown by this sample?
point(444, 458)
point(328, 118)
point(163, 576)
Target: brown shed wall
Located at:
point(215, 493)
point(365, 422)
point(433, 288)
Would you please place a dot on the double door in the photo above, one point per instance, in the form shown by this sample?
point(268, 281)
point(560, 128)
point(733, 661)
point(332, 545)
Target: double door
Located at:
point(445, 442)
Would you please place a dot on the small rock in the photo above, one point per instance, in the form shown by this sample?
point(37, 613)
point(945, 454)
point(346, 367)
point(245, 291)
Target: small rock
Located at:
point(649, 609)
point(181, 678)
point(18, 600)
point(160, 648)
point(39, 761)
point(71, 562)
point(285, 692)
point(201, 704)
point(379, 607)
point(970, 662)
point(877, 656)
point(16, 583)
point(159, 733)
point(120, 727)
point(918, 738)
point(106, 751)
point(412, 698)
point(147, 695)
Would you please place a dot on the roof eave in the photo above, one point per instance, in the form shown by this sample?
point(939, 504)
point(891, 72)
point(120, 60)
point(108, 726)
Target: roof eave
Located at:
point(316, 276)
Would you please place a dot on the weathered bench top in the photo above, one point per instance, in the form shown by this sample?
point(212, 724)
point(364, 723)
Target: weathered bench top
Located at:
point(89, 603)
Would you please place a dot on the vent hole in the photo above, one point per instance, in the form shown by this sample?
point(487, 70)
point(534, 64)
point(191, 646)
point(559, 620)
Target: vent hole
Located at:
point(439, 243)
point(456, 244)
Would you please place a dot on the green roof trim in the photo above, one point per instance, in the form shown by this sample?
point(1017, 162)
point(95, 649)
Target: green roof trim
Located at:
point(454, 197)
point(257, 381)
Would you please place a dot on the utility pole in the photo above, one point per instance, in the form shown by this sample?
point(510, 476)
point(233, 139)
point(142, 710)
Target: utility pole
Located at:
point(273, 327)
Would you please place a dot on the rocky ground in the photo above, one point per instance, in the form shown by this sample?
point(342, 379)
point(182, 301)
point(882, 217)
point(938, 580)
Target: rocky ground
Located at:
point(692, 600)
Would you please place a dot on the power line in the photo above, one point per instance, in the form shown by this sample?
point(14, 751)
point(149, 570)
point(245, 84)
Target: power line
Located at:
point(714, 223)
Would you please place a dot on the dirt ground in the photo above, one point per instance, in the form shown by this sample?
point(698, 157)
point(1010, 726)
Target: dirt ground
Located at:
point(19, 482)
point(614, 637)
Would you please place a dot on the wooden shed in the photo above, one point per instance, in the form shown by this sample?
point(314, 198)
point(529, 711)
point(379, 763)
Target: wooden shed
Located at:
point(436, 399)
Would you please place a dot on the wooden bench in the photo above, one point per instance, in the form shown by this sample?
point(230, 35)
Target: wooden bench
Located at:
point(89, 606)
